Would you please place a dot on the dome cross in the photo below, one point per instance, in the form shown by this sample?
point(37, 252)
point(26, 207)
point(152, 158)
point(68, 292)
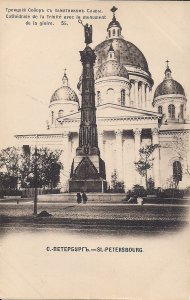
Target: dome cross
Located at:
point(65, 78)
point(167, 61)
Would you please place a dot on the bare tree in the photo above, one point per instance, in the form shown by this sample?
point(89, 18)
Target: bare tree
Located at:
point(145, 162)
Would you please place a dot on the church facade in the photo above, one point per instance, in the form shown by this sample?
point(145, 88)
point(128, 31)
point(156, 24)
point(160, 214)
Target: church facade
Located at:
point(130, 115)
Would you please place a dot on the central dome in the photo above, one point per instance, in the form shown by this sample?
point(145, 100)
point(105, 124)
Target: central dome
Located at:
point(125, 52)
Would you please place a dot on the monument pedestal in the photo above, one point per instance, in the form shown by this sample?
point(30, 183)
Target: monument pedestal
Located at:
point(93, 186)
point(88, 174)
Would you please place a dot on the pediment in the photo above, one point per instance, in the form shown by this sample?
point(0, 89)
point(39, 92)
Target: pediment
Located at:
point(113, 110)
point(110, 110)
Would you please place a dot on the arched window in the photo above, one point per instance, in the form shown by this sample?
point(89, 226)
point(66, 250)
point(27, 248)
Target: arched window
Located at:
point(110, 92)
point(113, 31)
point(182, 111)
point(160, 109)
point(171, 111)
point(60, 113)
point(109, 33)
point(98, 98)
point(118, 32)
point(177, 171)
point(122, 97)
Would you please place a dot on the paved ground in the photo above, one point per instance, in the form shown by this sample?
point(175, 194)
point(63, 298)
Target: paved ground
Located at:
point(96, 217)
point(98, 211)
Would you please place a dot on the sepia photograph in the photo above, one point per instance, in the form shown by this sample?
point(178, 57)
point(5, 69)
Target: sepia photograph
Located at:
point(95, 150)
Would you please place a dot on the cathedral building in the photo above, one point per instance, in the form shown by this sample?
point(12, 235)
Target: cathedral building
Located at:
point(130, 114)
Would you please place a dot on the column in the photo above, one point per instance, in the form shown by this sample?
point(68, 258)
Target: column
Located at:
point(66, 154)
point(101, 142)
point(188, 153)
point(140, 94)
point(136, 92)
point(137, 141)
point(143, 87)
point(119, 153)
point(132, 93)
point(156, 157)
point(147, 105)
point(150, 97)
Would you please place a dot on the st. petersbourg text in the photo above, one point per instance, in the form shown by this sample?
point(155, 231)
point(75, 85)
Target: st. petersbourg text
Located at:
point(97, 249)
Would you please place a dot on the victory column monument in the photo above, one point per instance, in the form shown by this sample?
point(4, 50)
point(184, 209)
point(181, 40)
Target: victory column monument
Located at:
point(88, 169)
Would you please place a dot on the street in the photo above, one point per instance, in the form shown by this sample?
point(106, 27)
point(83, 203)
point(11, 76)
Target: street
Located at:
point(96, 217)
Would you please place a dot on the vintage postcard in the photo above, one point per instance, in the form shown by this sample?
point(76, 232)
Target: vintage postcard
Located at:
point(95, 150)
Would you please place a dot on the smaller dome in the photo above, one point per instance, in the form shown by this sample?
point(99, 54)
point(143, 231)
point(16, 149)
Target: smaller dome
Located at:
point(169, 86)
point(111, 68)
point(64, 93)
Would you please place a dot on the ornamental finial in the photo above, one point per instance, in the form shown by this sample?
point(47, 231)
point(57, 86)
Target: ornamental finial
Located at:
point(113, 10)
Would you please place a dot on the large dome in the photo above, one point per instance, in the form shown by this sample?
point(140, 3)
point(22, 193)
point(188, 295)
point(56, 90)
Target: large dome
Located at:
point(125, 52)
point(169, 86)
point(64, 93)
point(111, 68)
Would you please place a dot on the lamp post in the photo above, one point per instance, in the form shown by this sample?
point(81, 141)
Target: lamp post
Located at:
point(35, 178)
point(35, 182)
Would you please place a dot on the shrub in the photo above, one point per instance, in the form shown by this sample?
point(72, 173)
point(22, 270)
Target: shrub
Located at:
point(137, 191)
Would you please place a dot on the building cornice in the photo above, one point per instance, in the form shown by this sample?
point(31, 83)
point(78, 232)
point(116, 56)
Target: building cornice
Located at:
point(174, 132)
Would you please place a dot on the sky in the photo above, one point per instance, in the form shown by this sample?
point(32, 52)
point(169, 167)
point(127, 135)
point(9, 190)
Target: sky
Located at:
point(33, 57)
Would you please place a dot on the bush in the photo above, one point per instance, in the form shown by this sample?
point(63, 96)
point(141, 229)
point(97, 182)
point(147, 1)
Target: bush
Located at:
point(171, 193)
point(187, 191)
point(137, 191)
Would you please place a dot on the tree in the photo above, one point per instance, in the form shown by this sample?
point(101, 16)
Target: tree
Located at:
point(117, 186)
point(44, 166)
point(9, 160)
point(145, 162)
point(39, 168)
point(9, 166)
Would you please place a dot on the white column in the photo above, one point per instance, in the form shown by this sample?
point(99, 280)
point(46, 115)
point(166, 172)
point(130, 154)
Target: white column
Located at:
point(188, 153)
point(137, 141)
point(132, 94)
point(143, 87)
point(156, 156)
point(147, 104)
point(119, 153)
point(150, 98)
point(66, 154)
point(101, 142)
point(136, 92)
point(140, 94)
